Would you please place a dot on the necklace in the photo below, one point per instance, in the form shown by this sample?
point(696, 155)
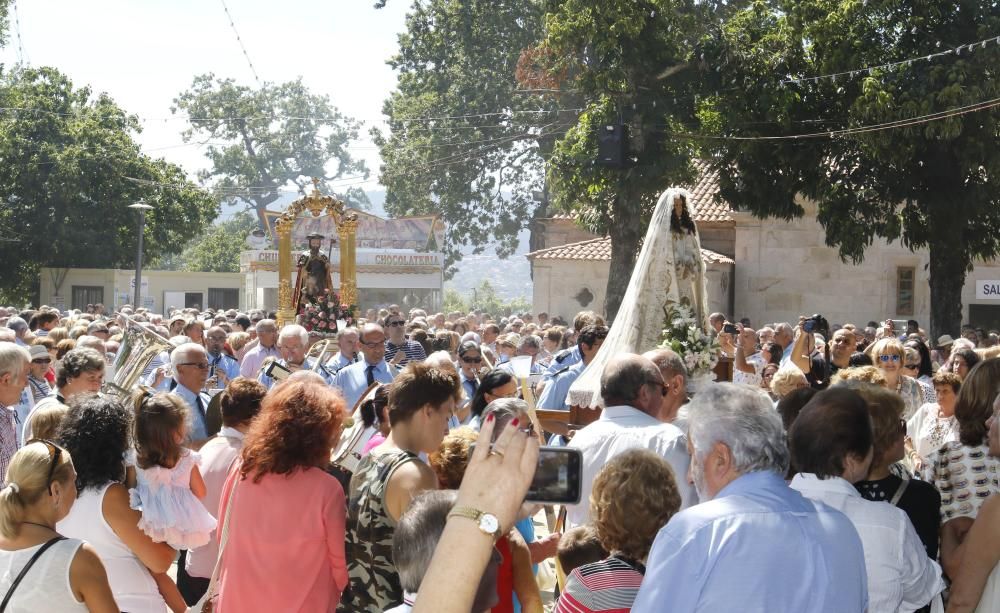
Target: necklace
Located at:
point(31, 523)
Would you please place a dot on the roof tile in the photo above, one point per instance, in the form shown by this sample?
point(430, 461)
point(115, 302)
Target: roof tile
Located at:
point(599, 249)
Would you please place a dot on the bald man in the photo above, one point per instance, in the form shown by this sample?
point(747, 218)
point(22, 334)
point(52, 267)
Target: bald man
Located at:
point(633, 390)
point(353, 380)
point(674, 376)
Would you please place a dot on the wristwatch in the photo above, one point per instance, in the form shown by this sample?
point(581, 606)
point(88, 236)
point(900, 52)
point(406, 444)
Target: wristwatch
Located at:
point(487, 522)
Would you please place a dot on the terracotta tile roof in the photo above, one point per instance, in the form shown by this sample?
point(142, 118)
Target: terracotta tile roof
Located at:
point(599, 249)
point(593, 249)
point(706, 209)
point(703, 192)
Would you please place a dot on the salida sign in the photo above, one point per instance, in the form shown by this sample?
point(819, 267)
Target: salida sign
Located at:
point(987, 290)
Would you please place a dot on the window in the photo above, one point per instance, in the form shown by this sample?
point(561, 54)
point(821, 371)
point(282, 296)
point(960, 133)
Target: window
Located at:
point(905, 282)
point(223, 298)
point(82, 295)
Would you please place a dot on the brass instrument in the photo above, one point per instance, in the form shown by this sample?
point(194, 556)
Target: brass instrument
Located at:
point(139, 346)
point(320, 351)
point(355, 435)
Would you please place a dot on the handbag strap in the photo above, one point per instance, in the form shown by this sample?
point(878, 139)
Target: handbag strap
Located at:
point(225, 536)
point(27, 567)
point(899, 490)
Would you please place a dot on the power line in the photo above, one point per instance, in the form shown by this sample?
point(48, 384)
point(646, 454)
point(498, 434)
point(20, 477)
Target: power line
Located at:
point(879, 127)
point(22, 57)
point(892, 65)
point(240, 41)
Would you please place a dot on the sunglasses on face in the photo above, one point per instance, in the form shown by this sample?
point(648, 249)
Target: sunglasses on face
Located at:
point(888, 358)
point(396, 324)
point(198, 365)
point(473, 360)
point(374, 345)
point(912, 366)
point(42, 361)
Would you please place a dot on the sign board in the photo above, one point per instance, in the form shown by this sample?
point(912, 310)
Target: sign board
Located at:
point(987, 290)
point(145, 285)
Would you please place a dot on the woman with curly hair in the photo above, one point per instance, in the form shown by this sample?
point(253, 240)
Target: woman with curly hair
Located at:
point(634, 496)
point(95, 432)
point(274, 561)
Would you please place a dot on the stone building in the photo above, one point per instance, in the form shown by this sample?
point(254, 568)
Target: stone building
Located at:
point(767, 270)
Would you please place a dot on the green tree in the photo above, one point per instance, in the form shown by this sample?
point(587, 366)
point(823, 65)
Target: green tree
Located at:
point(480, 162)
point(635, 62)
point(218, 250)
point(263, 140)
point(69, 168)
point(930, 185)
point(485, 298)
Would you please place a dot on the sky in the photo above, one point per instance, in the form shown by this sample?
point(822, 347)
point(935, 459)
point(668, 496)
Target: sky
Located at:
point(145, 52)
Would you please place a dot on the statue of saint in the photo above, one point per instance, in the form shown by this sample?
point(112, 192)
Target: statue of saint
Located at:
point(315, 276)
point(669, 271)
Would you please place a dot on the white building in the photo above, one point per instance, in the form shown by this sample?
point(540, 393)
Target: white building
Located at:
point(779, 270)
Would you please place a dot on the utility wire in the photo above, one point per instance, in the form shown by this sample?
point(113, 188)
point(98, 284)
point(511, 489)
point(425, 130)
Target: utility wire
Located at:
point(240, 41)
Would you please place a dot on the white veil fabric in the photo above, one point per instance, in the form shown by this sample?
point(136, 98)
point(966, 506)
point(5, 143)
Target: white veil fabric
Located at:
point(669, 270)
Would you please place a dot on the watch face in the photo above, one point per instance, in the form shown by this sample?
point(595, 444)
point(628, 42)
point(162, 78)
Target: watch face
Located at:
point(488, 523)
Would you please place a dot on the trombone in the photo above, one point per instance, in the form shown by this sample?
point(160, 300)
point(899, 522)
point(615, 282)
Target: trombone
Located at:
point(319, 351)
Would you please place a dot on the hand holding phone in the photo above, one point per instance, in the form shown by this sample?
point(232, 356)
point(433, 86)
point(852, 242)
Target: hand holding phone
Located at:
point(558, 477)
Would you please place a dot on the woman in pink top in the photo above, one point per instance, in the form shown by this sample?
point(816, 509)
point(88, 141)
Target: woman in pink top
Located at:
point(286, 530)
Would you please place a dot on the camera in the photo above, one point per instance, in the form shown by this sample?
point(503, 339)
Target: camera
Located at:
point(816, 323)
point(729, 328)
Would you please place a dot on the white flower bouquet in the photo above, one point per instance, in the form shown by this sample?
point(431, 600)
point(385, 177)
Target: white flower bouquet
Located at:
point(683, 335)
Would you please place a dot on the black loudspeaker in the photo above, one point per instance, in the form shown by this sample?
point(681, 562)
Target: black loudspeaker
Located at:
point(611, 146)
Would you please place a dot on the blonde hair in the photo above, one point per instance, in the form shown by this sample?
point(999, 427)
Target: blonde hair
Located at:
point(452, 457)
point(886, 346)
point(238, 340)
point(788, 379)
point(45, 420)
point(26, 483)
point(867, 374)
point(58, 333)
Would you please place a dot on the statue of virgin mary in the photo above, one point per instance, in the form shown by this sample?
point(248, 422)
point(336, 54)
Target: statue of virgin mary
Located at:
point(669, 271)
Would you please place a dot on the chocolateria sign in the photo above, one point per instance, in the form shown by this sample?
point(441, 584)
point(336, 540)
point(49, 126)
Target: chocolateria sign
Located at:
point(407, 259)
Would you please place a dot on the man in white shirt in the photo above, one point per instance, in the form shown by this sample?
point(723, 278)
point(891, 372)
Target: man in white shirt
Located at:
point(633, 390)
point(14, 361)
point(267, 339)
point(358, 377)
point(347, 342)
point(190, 365)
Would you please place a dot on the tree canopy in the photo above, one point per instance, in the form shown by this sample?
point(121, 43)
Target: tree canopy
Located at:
point(217, 249)
point(69, 168)
point(931, 185)
point(262, 140)
point(465, 140)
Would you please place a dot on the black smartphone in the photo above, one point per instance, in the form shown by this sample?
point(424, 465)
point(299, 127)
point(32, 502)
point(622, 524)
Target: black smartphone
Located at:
point(558, 477)
point(730, 329)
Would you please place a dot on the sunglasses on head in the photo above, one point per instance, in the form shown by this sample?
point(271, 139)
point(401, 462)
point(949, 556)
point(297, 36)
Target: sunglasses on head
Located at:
point(55, 452)
point(888, 358)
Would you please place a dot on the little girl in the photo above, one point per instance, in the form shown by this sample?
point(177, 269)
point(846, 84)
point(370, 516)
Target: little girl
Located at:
point(168, 484)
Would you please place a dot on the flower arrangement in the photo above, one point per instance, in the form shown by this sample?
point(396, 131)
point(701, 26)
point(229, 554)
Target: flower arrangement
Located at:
point(684, 335)
point(321, 313)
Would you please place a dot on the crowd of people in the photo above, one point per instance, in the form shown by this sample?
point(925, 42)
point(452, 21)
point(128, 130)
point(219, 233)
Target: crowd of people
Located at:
point(844, 468)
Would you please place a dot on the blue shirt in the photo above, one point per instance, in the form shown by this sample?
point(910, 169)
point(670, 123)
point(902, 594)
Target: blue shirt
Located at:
point(338, 362)
point(758, 546)
point(353, 382)
point(229, 366)
point(553, 396)
point(198, 429)
point(564, 358)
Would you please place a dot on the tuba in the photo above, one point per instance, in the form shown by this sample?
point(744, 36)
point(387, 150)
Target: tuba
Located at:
point(138, 348)
point(355, 435)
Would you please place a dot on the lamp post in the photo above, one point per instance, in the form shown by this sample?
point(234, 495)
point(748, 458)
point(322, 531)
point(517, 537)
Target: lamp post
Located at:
point(142, 207)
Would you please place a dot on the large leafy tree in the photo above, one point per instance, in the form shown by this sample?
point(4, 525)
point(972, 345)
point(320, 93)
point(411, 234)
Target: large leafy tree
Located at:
point(634, 62)
point(260, 141)
point(465, 140)
point(217, 249)
point(69, 168)
point(931, 185)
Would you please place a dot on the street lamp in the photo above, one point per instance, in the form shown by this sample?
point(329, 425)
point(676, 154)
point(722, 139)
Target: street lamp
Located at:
point(142, 207)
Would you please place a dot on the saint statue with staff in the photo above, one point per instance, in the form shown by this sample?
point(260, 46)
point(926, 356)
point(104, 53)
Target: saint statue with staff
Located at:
point(314, 280)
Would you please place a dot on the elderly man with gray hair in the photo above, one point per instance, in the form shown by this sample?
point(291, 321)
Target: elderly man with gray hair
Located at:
point(674, 376)
point(14, 362)
point(293, 343)
point(633, 390)
point(266, 347)
point(751, 532)
point(189, 363)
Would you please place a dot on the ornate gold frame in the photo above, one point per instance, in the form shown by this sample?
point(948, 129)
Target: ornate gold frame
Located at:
point(347, 226)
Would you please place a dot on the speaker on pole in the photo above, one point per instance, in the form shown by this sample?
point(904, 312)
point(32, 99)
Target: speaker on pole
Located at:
point(611, 145)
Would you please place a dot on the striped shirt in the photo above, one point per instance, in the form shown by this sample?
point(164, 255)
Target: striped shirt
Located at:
point(412, 349)
point(608, 586)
